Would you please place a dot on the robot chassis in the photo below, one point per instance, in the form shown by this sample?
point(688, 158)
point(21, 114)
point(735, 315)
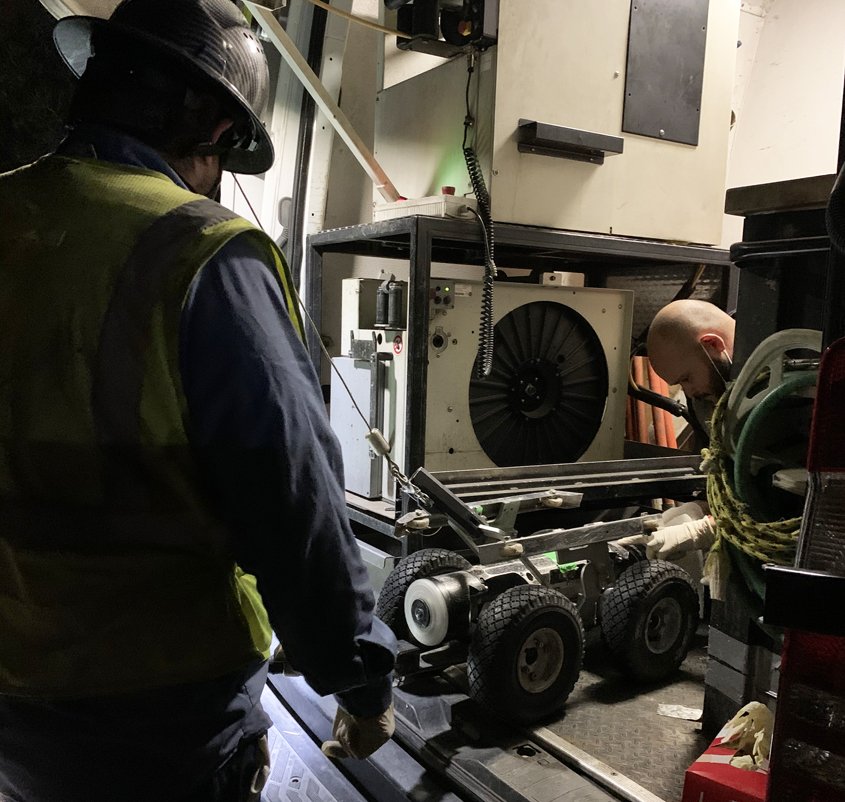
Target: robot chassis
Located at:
point(517, 616)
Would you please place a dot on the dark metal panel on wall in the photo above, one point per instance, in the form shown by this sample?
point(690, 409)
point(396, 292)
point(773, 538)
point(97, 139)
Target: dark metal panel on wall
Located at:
point(665, 71)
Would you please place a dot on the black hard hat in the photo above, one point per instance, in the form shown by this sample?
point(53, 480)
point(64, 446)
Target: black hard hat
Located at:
point(209, 38)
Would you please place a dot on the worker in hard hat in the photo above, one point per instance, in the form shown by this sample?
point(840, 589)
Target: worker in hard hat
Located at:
point(169, 484)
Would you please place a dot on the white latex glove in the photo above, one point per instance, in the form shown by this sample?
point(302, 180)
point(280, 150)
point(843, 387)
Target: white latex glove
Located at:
point(750, 733)
point(357, 736)
point(673, 541)
point(688, 511)
point(690, 529)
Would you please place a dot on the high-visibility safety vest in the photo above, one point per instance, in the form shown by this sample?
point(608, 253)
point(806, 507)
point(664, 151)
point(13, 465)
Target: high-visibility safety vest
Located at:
point(114, 572)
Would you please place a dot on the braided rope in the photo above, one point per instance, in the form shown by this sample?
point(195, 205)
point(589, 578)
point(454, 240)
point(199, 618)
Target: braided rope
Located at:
point(767, 541)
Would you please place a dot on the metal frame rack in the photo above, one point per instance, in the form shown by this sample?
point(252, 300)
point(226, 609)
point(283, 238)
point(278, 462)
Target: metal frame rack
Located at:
point(423, 241)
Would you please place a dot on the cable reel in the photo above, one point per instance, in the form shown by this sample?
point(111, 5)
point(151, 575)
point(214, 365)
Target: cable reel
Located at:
point(766, 424)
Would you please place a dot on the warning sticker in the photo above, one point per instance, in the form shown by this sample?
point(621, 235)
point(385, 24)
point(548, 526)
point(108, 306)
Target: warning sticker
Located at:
point(397, 344)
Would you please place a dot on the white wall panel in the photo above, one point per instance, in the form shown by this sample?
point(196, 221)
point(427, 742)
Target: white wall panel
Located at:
point(788, 122)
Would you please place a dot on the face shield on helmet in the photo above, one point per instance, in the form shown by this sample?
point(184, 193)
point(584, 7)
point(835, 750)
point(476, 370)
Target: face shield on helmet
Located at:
point(208, 42)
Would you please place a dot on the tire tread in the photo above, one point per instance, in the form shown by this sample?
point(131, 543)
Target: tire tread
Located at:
point(496, 620)
point(618, 605)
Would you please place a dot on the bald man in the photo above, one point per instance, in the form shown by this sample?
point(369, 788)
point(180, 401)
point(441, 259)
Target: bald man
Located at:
point(691, 343)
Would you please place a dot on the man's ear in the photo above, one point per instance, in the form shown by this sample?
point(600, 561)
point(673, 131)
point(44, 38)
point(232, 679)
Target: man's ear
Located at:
point(220, 129)
point(713, 344)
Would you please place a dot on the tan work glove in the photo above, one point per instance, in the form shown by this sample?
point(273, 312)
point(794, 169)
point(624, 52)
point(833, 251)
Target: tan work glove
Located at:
point(279, 664)
point(672, 541)
point(359, 737)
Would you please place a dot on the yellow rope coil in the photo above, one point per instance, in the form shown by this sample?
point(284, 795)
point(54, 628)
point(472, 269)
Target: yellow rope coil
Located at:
point(769, 541)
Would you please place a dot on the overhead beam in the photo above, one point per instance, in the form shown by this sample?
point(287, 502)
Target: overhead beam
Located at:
point(339, 121)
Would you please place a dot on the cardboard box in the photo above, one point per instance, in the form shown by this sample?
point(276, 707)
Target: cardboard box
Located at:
point(712, 778)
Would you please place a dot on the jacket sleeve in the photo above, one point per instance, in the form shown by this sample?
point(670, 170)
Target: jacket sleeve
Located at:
point(258, 424)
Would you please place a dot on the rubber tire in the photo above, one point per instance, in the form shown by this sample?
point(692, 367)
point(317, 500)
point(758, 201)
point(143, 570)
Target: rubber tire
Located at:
point(390, 606)
point(502, 628)
point(624, 610)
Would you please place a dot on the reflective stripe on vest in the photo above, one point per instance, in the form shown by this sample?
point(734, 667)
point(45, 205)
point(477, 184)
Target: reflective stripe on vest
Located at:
point(114, 574)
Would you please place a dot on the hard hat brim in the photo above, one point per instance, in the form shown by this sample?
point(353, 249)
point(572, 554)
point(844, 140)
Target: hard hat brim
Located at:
point(72, 37)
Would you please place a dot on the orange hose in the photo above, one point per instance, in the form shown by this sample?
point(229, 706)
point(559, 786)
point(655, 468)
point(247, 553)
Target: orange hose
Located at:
point(656, 412)
point(671, 439)
point(642, 412)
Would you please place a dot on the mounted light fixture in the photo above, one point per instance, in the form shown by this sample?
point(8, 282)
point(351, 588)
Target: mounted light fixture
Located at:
point(445, 28)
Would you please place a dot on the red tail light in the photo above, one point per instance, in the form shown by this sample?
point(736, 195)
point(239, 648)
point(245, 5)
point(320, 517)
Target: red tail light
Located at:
point(827, 434)
point(808, 748)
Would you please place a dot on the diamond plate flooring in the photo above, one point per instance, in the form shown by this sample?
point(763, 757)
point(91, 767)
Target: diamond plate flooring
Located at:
point(616, 721)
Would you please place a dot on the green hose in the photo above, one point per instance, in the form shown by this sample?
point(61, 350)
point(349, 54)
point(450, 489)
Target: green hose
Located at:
point(747, 488)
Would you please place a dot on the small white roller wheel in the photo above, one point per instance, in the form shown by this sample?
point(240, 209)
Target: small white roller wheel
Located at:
point(427, 612)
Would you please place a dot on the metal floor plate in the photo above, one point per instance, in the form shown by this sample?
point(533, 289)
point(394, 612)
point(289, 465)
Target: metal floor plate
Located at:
point(618, 723)
point(609, 718)
point(437, 725)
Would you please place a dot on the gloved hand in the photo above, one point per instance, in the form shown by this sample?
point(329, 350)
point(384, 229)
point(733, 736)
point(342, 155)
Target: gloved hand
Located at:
point(688, 511)
point(674, 541)
point(357, 736)
point(279, 664)
point(690, 532)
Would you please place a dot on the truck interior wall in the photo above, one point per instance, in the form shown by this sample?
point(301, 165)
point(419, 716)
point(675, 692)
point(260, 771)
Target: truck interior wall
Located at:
point(788, 94)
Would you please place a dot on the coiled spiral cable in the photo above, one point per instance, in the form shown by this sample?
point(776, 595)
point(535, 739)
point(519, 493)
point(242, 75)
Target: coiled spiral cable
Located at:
point(484, 359)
